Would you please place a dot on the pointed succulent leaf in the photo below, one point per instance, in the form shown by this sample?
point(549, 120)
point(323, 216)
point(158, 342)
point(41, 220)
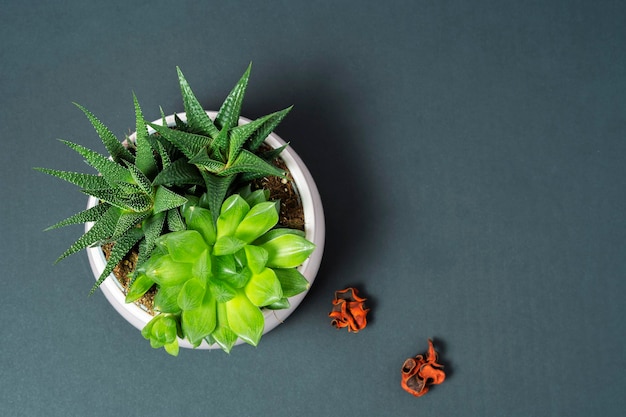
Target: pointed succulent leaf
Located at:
point(245, 319)
point(260, 219)
point(232, 212)
point(166, 299)
point(174, 220)
point(228, 115)
point(179, 172)
point(222, 291)
point(115, 148)
point(92, 214)
point(227, 245)
point(219, 146)
point(101, 230)
point(287, 251)
point(197, 119)
point(191, 294)
point(185, 245)
point(152, 228)
point(291, 281)
point(172, 348)
point(121, 248)
point(164, 329)
point(268, 127)
point(250, 163)
point(225, 268)
point(77, 178)
point(264, 288)
point(218, 187)
point(256, 258)
point(274, 233)
point(281, 304)
point(165, 199)
point(138, 288)
point(118, 198)
point(139, 178)
point(111, 171)
point(188, 143)
point(202, 266)
point(144, 159)
point(126, 221)
point(166, 272)
point(238, 135)
point(201, 220)
point(203, 161)
point(200, 322)
point(257, 196)
point(223, 335)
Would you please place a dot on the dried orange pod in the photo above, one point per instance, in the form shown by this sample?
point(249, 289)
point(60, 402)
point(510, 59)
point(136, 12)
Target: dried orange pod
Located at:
point(349, 310)
point(422, 371)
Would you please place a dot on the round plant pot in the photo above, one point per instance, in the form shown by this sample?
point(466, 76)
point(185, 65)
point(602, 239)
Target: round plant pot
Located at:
point(314, 230)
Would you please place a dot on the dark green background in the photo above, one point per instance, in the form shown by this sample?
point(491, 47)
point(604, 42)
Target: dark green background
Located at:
point(471, 159)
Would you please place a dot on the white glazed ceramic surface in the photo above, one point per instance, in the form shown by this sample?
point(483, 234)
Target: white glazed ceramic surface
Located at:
point(314, 230)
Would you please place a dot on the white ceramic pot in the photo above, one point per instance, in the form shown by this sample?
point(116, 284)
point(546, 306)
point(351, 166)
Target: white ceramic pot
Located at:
point(314, 231)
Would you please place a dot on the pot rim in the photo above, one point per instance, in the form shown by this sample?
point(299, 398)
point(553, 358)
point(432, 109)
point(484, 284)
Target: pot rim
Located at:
point(314, 229)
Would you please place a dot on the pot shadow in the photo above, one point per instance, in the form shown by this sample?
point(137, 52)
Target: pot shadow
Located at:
point(322, 128)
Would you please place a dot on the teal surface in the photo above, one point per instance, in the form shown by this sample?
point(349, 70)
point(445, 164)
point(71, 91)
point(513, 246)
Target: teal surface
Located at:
point(471, 158)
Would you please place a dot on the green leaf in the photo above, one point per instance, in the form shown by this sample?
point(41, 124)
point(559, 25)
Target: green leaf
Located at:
point(138, 202)
point(139, 287)
point(89, 181)
point(217, 187)
point(274, 233)
point(233, 210)
point(166, 299)
point(188, 143)
point(183, 246)
point(250, 163)
point(180, 173)
point(228, 115)
point(256, 258)
point(222, 291)
point(102, 229)
point(268, 127)
point(152, 228)
point(203, 161)
point(201, 220)
point(164, 329)
point(172, 348)
point(264, 288)
point(90, 215)
point(197, 119)
point(287, 251)
point(226, 268)
point(222, 334)
point(261, 218)
point(238, 135)
point(165, 199)
point(202, 266)
point(140, 179)
point(111, 171)
point(191, 295)
point(166, 272)
point(126, 221)
point(200, 322)
point(174, 220)
point(257, 196)
point(122, 246)
point(291, 281)
point(281, 304)
point(144, 158)
point(227, 245)
point(245, 319)
point(115, 148)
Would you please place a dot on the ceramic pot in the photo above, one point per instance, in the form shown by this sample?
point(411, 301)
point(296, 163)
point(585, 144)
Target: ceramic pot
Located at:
point(314, 232)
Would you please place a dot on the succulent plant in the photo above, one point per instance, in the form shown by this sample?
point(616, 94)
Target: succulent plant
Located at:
point(133, 209)
point(213, 280)
point(226, 154)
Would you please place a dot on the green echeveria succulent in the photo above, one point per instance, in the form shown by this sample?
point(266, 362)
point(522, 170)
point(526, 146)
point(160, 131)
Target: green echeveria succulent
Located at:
point(213, 279)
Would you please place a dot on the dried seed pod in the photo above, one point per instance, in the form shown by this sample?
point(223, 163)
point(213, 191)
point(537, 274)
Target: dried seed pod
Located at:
point(422, 371)
point(349, 310)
